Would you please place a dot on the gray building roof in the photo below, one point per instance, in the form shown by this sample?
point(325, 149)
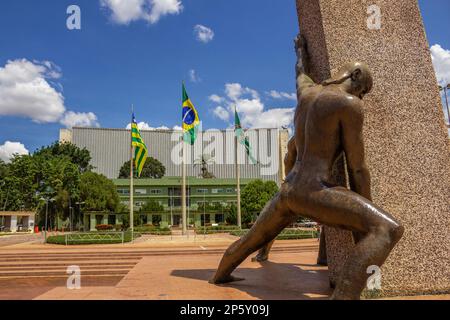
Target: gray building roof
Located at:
point(110, 148)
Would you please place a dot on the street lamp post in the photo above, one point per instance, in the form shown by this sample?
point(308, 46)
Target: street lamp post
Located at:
point(445, 88)
point(79, 203)
point(47, 199)
point(70, 217)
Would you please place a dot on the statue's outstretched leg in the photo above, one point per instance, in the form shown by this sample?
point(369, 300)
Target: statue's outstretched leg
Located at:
point(273, 219)
point(377, 230)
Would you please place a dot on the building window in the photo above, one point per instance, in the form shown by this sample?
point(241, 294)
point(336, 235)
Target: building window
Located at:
point(155, 191)
point(139, 203)
point(230, 190)
point(143, 219)
point(202, 190)
point(99, 219)
point(217, 191)
point(205, 219)
point(140, 191)
point(220, 218)
point(112, 219)
point(123, 191)
point(156, 219)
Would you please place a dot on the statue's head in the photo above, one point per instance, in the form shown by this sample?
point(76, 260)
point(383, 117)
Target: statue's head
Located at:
point(354, 77)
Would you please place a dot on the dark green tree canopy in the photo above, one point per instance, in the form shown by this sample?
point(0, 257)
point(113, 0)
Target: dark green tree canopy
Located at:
point(80, 157)
point(153, 169)
point(152, 206)
point(3, 169)
point(255, 196)
point(98, 193)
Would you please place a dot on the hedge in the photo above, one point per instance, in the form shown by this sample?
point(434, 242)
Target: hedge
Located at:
point(61, 239)
point(285, 235)
point(216, 229)
point(153, 230)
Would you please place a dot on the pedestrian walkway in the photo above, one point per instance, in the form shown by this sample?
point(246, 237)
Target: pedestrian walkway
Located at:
point(17, 238)
point(28, 272)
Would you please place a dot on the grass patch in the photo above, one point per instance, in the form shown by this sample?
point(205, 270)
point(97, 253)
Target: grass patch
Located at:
point(153, 230)
point(92, 238)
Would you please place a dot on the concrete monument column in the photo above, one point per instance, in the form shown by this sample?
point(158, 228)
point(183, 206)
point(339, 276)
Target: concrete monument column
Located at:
point(407, 145)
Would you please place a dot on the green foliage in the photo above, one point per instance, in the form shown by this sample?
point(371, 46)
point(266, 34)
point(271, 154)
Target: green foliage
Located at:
point(254, 197)
point(79, 157)
point(98, 193)
point(3, 169)
point(21, 183)
point(92, 238)
point(153, 230)
point(153, 169)
point(217, 229)
point(215, 207)
point(286, 234)
point(152, 206)
point(231, 217)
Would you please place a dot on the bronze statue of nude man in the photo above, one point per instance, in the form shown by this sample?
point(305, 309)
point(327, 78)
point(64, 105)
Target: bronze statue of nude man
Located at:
point(328, 121)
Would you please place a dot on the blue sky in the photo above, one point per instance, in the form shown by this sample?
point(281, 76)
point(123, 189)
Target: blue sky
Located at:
point(97, 72)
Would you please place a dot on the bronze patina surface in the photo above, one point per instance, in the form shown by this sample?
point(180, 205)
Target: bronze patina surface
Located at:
point(328, 121)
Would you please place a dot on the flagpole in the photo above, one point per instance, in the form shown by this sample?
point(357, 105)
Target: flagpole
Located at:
point(131, 175)
point(183, 185)
point(238, 179)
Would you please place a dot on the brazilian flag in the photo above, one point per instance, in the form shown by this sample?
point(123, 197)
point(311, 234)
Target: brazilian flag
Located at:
point(191, 121)
point(140, 149)
point(242, 139)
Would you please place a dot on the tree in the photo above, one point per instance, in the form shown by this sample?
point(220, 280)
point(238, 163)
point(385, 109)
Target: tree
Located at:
point(152, 206)
point(231, 211)
point(255, 196)
point(21, 183)
point(98, 193)
point(79, 157)
point(3, 169)
point(153, 169)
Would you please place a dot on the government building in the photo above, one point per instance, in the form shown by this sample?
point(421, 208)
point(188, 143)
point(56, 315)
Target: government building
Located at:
point(110, 149)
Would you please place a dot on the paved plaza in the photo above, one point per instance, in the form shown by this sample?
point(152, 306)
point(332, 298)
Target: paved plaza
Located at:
point(160, 270)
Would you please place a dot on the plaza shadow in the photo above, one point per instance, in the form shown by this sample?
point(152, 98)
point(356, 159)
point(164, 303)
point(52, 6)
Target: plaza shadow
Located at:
point(273, 281)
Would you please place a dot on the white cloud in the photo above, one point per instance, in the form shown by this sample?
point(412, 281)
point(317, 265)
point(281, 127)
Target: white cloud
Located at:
point(79, 119)
point(25, 91)
point(252, 110)
point(441, 62)
point(203, 34)
point(215, 98)
point(235, 91)
point(9, 149)
point(193, 76)
point(275, 118)
point(161, 8)
point(126, 11)
point(177, 128)
point(221, 113)
point(282, 95)
point(144, 126)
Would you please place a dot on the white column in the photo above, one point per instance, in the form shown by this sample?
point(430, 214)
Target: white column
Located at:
point(13, 224)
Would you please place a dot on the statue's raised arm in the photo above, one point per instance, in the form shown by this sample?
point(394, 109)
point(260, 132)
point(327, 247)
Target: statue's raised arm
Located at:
point(301, 69)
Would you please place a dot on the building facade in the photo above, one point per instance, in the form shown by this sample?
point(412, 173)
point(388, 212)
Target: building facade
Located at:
point(217, 194)
point(15, 221)
point(110, 149)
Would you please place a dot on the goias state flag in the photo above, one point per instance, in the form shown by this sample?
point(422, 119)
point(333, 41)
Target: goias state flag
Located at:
point(191, 120)
point(140, 149)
